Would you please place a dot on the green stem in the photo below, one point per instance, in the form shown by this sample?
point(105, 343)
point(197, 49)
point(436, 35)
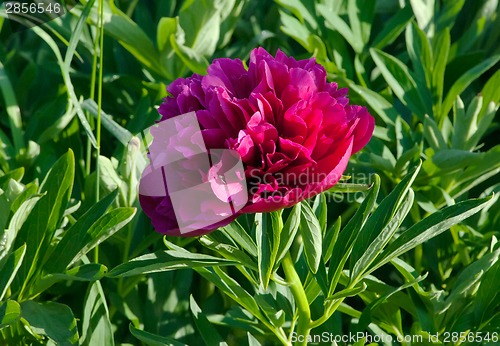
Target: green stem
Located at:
point(90, 119)
point(100, 9)
point(304, 313)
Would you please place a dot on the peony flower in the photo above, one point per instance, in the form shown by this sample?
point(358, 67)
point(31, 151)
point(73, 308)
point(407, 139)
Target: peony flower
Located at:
point(293, 131)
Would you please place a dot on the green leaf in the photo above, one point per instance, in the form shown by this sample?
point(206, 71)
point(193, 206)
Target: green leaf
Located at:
point(381, 225)
point(382, 238)
point(419, 50)
point(65, 68)
point(153, 339)
point(236, 232)
point(401, 82)
point(209, 334)
point(433, 135)
point(228, 251)
point(441, 49)
point(12, 109)
point(366, 316)
point(288, 233)
point(449, 160)
point(310, 230)
point(348, 292)
point(448, 14)
point(191, 58)
point(84, 233)
point(491, 92)
point(465, 123)
point(105, 227)
point(430, 227)
point(263, 235)
point(299, 10)
point(424, 13)
point(252, 341)
point(231, 288)
point(330, 238)
point(320, 209)
point(465, 80)
point(85, 272)
point(295, 29)
point(335, 22)
point(46, 215)
point(200, 21)
point(343, 247)
point(96, 326)
point(393, 28)
point(122, 134)
point(360, 14)
point(127, 33)
point(15, 224)
point(487, 298)
point(166, 260)
point(467, 286)
point(9, 268)
point(54, 320)
point(268, 230)
point(10, 312)
point(378, 103)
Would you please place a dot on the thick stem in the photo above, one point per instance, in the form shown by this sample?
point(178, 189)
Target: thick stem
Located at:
point(304, 313)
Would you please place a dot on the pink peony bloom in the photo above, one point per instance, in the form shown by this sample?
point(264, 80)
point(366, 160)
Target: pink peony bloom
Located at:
point(294, 131)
